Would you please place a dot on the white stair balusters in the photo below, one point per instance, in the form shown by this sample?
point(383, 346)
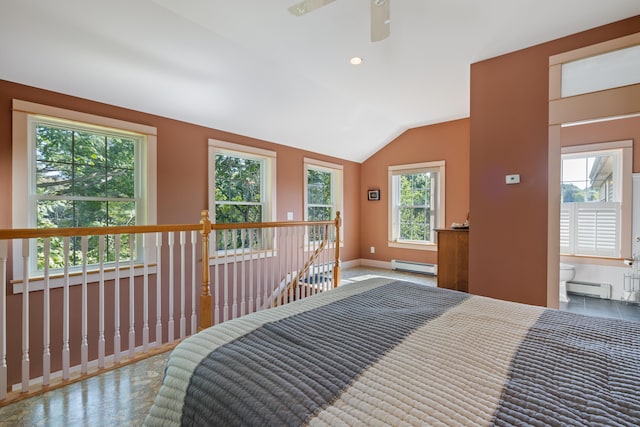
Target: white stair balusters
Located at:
point(158, 288)
point(183, 319)
point(4, 252)
point(116, 301)
point(146, 247)
point(25, 315)
point(46, 316)
point(170, 324)
point(101, 339)
point(132, 305)
point(194, 317)
point(84, 343)
point(66, 356)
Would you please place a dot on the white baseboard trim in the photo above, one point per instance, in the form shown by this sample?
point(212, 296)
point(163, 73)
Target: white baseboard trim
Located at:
point(350, 264)
point(375, 263)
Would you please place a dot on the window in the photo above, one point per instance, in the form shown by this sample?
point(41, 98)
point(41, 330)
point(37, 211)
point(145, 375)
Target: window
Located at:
point(84, 177)
point(323, 191)
point(416, 204)
point(241, 187)
point(592, 200)
point(617, 68)
point(72, 169)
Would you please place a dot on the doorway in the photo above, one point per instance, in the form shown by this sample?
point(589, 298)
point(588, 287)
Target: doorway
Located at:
point(575, 108)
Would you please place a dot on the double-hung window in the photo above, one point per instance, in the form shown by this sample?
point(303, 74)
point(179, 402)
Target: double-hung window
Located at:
point(72, 169)
point(592, 208)
point(241, 189)
point(323, 192)
point(416, 204)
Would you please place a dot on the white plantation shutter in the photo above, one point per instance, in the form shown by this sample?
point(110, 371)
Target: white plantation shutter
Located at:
point(566, 235)
point(590, 229)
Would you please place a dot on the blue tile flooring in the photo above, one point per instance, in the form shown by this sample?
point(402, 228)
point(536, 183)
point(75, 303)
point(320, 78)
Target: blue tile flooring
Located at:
point(602, 307)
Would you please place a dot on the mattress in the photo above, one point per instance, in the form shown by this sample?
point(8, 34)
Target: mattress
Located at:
point(388, 352)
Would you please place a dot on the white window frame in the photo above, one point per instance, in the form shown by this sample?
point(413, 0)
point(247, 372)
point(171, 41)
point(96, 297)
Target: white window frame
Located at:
point(268, 181)
point(24, 164)
point(439, 199)
point(337, 187)
point(619, 212)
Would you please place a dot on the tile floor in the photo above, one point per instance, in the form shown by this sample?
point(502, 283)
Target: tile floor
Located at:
point(602, 307)
point(123, 396)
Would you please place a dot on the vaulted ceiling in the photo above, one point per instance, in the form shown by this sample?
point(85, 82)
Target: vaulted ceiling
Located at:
point(252, 68)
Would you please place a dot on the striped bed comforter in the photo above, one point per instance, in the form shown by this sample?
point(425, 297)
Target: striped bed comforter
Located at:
point(386, 352)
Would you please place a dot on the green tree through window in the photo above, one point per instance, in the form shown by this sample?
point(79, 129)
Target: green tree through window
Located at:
point(415, 207)
point(238, 189)
point(84, 178)
point(239, 198)
point(320, 198)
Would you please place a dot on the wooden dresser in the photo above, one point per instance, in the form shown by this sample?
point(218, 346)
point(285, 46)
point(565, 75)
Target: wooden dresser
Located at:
point(453, 258)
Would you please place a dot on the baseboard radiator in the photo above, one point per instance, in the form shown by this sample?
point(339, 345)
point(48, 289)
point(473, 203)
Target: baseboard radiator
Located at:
point(414, 267)
point(602, 290)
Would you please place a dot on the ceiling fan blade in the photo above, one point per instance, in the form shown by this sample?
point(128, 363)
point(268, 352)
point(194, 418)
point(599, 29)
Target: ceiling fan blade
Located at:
point(380, 19)
point(307, 6)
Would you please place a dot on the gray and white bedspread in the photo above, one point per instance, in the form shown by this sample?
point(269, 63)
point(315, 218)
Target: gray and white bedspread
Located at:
point(385, 352)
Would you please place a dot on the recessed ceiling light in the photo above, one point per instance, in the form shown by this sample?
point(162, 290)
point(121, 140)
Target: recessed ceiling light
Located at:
point(356, 60)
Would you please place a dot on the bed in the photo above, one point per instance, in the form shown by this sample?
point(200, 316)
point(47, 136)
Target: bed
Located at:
point(388, 352)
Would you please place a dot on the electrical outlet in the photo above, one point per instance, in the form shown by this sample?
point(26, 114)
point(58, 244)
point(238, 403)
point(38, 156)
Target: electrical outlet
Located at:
point(512, 179)
point(373, 249)
point(289, 216)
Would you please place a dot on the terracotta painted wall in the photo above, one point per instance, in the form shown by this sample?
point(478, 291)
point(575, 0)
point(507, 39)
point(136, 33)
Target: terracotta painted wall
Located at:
point(613, 130)
point(444, 141)
point(509, 134)
point(182, 194)
point(182, 163)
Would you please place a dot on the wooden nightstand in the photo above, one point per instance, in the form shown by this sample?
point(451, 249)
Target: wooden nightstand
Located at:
point(453, 259)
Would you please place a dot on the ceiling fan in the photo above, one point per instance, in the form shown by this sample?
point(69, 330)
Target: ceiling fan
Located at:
point(380, 22)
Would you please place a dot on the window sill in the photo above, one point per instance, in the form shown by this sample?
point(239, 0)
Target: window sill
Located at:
point(595, 260)
point(75, 278)
point(413, 245)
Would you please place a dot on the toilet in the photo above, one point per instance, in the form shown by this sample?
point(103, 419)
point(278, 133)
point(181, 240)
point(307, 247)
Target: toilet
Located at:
point(567, 272)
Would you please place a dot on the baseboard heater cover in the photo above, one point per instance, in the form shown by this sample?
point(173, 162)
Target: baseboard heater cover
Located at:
point(602, 290)
point(414, 267)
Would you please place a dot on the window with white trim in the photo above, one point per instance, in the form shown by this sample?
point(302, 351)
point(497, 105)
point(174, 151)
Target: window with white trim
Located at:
point(416, 204)
point(323, 191)
point(241, 187)
point(73, 169)
point(591, 210)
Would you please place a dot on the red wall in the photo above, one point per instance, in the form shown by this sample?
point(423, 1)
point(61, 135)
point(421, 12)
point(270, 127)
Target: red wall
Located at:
point(612, 130)
point(444, 141)
point(182, 194)
point(182, 163)
point(509, 134)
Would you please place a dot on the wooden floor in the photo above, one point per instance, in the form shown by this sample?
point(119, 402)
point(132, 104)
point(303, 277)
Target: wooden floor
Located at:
point(122, 397)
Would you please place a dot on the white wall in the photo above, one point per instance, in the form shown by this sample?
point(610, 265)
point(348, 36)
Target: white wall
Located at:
point(612, 275)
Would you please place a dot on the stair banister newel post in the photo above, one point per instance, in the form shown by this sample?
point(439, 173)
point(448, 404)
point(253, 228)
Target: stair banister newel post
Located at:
point(336, 266)
point(205, 293)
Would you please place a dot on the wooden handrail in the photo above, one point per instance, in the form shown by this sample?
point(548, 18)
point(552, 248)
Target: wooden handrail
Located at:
point(205, 227)
point(276, 224)
point(34, 233)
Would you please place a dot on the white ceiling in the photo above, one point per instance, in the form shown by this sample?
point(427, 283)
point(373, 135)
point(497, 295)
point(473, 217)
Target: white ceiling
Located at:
point(251, 68)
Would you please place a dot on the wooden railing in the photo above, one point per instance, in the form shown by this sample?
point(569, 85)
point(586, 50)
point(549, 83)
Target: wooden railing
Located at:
point(72, 299)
